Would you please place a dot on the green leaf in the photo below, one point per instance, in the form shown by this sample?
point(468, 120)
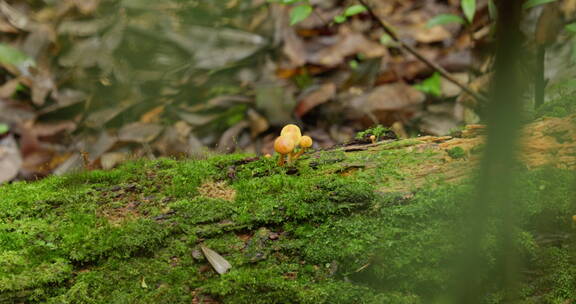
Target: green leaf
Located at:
point(533, 3)
point(353, 64)
point(469, 9)
point(431, 85)
point(492, 9)
point(571, 27)
point(300, 13)
point(354, 10)
point(12, 56)
point(4, 128)
point(444, 19)
point(340, 19)
point(385, 39)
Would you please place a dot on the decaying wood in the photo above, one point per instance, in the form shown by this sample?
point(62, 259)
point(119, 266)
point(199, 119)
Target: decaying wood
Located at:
point(546, 142)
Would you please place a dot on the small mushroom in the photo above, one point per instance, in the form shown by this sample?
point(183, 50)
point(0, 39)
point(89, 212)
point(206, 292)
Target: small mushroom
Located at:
point(305, 143)
point(292, 131)
point(283, 145)
point(373, 138)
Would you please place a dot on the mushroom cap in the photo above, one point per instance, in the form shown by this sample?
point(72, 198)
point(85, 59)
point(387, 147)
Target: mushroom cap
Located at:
point(306, 141)
point(284, 144)
point(293, 131)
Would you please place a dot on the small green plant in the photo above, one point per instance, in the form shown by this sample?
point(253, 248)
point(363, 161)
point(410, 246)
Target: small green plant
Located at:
point(431, 85)
point(4, 128)
point(303, 9)
point(377, 131)
point(349, 12)
point(456, 153)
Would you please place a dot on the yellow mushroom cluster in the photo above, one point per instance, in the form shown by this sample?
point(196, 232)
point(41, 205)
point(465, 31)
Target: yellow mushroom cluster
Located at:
point(291, 144)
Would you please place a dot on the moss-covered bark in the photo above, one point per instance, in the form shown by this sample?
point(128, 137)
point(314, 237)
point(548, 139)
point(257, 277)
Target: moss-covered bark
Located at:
point(374, 223)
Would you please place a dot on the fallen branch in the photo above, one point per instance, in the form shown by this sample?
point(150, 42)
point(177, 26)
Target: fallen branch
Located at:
point(388, 29)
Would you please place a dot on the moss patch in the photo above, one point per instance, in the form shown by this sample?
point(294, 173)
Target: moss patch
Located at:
point(302, 234)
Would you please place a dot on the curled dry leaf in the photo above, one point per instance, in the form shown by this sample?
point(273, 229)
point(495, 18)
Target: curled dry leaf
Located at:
point(220, 264)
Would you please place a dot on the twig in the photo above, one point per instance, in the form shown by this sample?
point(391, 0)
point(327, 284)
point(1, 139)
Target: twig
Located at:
point(388, 29)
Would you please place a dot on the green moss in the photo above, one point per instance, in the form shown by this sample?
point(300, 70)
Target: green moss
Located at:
point(456, 153)
point(302, 234)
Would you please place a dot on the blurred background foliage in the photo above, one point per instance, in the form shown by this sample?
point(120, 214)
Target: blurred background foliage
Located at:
point(95, 82)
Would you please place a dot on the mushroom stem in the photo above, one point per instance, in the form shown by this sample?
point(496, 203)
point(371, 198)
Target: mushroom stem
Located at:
point(281, 160)
point(291, 157)
point(299, 153)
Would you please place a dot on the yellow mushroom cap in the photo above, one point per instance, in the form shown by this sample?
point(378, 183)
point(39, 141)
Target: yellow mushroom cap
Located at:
point(292, 131)
point(306, 141)
point(284, 144)
point(574, 218)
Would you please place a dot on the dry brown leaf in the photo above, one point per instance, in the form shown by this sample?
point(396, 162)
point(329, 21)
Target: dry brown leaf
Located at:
point(220, 264)
point(87, 7)
point(16, 18)
point(449, 89)
point(96, 147)
point(294, 47)
point(348, 43)
point(568, 8)
point(9, 88)
point(139, 132)
point(315, 98)
point(549, 24)
point(112, 159)
point(387, 98)
point(423, 34)
point(6, 27)
point(227, 142)
point(50, 129)
point(258, 123)
point(196, 119)
point(96, 119)
point(10, 159)
point(152, 116)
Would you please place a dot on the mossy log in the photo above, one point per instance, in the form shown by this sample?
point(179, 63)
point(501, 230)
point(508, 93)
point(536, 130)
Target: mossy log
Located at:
point(362, 223)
